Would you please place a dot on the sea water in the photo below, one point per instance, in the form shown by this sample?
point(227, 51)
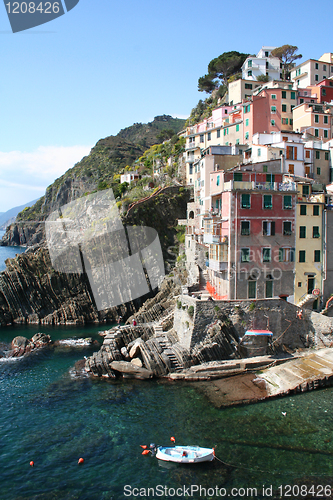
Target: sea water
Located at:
point(53, 417)
point(8, 253)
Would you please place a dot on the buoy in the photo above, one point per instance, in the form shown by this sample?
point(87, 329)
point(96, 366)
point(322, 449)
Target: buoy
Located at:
point(81, 460)
point(145, 452)
point(172, 439)
point(32, 463)
point(144, 446)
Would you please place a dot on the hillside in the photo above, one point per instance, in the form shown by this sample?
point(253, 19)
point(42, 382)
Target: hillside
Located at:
point(95, 171)
point(8, 217)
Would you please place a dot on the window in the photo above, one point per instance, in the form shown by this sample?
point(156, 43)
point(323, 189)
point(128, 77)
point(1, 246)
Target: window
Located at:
point(324, 67)
point(317, 255)
point(325, 134)
point(287, 229)
point(245, 201)
point(307, 154)
point(302, 232)
point(266, 53)
point(218, 133)
point(237, 141)
point(292, 107)
point(237, 128)
point(249, 63)
point(268, 228)
point(301, 101)
point(249, 73)
point(292, 95)
point(315, 232)
point(286, 254)
point(248, 86)
point(318, 170)
point(291, 168)
point(209, 136)
point(284, 108)
point(273, 96)
point(316, 118)
point(201, 138)
point(245, 228)
point(323, 91)
point(316, 78)
point(273, 123)
point(264, 168)
point(266, 254)
point(326, 155)
point(218, 180)
point(268, 204)
point(245, 255)
point(269, 289)
point(191, 168)
point(273, 109)
point(301, 256)
point(284, 121)
point(316, 66)
point(238, 176)
point(252, 289)
point(315, 209)
point(317, 155)
point(246, 122)
point(325, 119)
point(307, 170)
point(259, 151)
point(291, 153)
point(246, 135)
point(284, 94)
point(302, 210)
point(316, 132)
point(287, 202)
point(305, 190)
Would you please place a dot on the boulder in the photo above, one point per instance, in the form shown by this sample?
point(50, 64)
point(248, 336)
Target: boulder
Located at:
point(129, 369)
point(137, 362)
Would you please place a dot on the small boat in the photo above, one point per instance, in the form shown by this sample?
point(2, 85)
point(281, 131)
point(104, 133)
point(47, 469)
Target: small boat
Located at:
point(185, 454)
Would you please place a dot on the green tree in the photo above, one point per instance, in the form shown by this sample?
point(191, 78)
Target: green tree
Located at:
point(263, 78)
point(220, 69)
point(287, 55)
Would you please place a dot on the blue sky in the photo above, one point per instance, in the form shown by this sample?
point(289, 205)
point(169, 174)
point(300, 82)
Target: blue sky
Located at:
point(106, 65)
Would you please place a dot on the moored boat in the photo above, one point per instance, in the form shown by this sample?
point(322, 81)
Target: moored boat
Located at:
point(185, 454)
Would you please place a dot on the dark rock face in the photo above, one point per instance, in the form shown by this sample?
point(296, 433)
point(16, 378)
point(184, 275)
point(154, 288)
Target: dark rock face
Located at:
point(22, 345)
point(31, 291)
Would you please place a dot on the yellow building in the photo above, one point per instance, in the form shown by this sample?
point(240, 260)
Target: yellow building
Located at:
point(309, 243)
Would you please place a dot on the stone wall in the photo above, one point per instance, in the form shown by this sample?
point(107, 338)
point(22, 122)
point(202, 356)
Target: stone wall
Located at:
point(276, 315)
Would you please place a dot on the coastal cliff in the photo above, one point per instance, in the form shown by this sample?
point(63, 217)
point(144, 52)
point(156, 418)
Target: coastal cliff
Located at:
point(31, 291)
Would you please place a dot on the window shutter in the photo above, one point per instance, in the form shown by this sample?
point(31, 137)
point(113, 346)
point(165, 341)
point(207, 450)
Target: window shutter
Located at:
point(273, 228)
point(295, 153)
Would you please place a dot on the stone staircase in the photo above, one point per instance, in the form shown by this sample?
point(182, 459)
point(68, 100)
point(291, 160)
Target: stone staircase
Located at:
point(307, 301)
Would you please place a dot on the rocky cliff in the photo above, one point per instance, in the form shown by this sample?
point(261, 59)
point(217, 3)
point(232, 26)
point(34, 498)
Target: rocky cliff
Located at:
point(95, 171)
point(32, 291)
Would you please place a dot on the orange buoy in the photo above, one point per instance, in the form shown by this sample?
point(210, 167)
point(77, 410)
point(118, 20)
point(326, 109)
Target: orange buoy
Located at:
point(172, 439)
point(32, 463)
point(145, 452)
point(144, 446)
point(81, 460)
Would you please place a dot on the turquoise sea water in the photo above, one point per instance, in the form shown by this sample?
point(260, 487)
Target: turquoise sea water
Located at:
point(53, 418)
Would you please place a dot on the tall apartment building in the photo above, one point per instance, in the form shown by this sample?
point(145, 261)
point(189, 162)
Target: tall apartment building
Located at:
point(251, 240)
point(262, 64)
point(312, 71)
point(314, 119)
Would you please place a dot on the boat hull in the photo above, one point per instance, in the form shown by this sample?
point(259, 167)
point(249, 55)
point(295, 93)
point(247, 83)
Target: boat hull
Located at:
point(185, 454)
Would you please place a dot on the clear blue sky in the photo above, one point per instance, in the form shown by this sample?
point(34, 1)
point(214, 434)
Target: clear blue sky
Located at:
point(105, 65)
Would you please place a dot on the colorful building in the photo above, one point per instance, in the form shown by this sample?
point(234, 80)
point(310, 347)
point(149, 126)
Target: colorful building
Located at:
point(314, 119)
point(262, 64)
point(312, 71)
point(251, 240)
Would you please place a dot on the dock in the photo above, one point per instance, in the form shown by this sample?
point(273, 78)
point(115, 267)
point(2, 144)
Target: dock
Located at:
point(308, 371)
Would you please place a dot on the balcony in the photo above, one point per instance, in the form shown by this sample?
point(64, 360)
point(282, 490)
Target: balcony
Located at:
point(191, 145)
point(215, 238)
point(259, 186)
point(217, 265)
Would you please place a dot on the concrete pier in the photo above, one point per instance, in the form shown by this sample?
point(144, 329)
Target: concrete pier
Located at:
point(311, 369)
